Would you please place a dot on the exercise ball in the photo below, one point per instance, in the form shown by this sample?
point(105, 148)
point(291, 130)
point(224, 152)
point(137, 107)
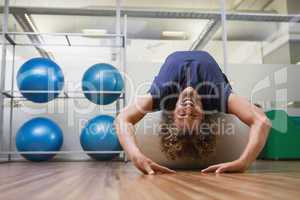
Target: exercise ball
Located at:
point(102, 77)
point(40, 74)
point(99, 135)
point(39, 134)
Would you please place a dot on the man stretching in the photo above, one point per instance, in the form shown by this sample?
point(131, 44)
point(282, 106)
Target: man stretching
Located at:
point(189, 85)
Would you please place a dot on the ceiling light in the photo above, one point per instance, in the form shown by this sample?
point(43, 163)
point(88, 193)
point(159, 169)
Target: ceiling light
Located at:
point(94, 32)
point(175, 34)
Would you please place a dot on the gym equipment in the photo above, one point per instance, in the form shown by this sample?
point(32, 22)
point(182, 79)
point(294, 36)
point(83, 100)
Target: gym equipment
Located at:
point(284, 137)
point(231, 140)
point(99, 135)
point(40, 74)
point(102, 77)
point(39, 134)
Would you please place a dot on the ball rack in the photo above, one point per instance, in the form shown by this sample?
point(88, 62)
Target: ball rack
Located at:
point(11, 38)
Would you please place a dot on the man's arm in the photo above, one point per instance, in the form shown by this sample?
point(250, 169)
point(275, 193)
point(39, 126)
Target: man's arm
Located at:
point(259, 128)
point(125, 129)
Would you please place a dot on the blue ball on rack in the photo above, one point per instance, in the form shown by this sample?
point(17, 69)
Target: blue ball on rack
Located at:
point(40, 74)
point(102, 77)
point(39, 134)
point(99, 135)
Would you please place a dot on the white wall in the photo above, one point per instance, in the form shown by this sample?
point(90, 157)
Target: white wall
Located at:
point(271, 85)
point(144, 61)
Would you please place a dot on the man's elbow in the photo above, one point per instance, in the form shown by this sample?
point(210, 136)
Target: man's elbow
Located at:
point(121, 119)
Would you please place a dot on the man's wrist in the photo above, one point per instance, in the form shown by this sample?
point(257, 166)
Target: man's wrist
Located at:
point(246, 162)
point(133, 153)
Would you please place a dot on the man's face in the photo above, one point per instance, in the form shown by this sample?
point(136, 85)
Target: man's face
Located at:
point(188, 113)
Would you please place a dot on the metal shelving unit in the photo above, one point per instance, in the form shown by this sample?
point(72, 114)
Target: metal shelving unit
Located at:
point(66, 37)
point(11, 39)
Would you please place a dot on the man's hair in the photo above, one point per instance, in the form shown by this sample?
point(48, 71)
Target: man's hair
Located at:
point(197, 143)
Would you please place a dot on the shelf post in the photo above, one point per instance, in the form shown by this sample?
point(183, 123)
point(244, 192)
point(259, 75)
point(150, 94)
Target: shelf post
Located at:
point(124, 51)
point(3, 68)
point(11, 111)
point(224, 34)
point(117, 42)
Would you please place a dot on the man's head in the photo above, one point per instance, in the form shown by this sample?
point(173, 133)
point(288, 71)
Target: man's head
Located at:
point(188, 113)
point(176, 143)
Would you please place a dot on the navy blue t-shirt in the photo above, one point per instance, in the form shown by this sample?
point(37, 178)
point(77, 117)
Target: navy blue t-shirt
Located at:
point(197, 69)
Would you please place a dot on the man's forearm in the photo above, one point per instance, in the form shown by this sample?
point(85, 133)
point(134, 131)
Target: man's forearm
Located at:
point(257, 139)
point(125, 131)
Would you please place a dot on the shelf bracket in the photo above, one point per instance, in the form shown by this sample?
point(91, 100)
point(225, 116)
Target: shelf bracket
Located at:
point(68, 40)
point(9, 39)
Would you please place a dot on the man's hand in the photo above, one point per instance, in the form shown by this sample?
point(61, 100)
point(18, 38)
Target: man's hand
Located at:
point(147, 166)
point(234, 166)
point(125, 130)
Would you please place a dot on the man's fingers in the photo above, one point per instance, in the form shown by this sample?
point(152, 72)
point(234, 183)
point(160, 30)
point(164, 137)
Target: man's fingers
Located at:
point(141, 169)
point(228, 169)
point(152, 167)
point(212, 168)
point(221, 169)
point(234, 166)
point(148, 168)
point(160, 168)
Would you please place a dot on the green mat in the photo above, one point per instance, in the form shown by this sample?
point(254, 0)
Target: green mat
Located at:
point(284, 138)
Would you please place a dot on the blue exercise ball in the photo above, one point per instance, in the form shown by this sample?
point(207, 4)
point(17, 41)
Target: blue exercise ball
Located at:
point(40, 74)
point(102, 77)
point(39, 134)
point(99, 135)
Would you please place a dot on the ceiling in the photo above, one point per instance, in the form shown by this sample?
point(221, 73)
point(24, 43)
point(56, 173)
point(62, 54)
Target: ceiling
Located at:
point(138, 28)
point(149, 30)
point(232, 5)
point(179, 4)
